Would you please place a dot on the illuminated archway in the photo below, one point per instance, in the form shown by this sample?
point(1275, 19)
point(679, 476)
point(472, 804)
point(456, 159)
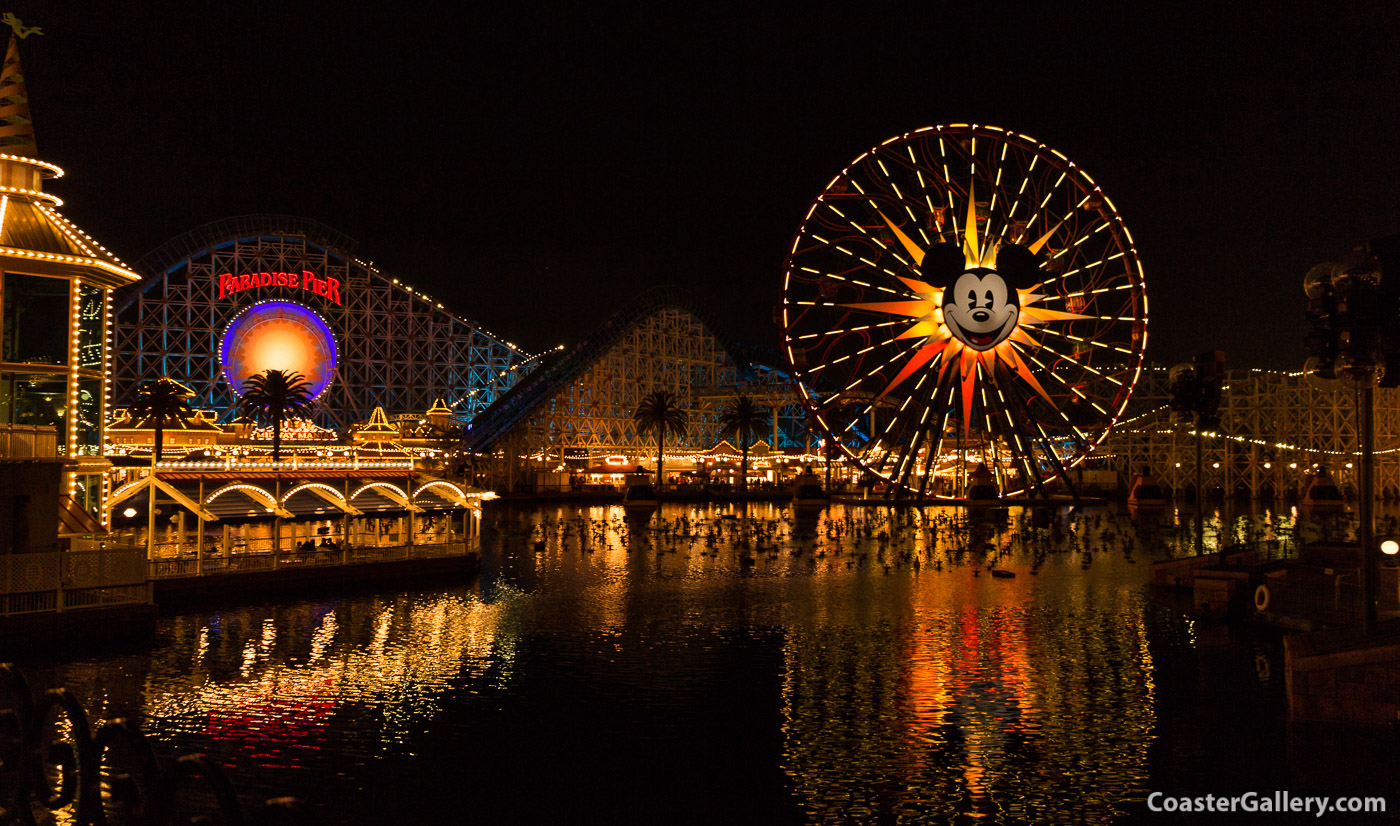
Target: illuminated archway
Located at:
point(397, 491)
point(319, 486)
point(461, 494)
point(253, 492)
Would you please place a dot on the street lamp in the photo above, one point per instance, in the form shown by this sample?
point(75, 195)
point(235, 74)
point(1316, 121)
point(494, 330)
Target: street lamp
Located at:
point(1352, 329)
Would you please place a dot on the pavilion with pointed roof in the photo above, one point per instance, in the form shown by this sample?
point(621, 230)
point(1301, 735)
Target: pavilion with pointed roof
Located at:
point(55, 304)
point(33, 234)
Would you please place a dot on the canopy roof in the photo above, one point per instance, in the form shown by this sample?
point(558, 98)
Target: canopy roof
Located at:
point(237, 495)
point(31, 229)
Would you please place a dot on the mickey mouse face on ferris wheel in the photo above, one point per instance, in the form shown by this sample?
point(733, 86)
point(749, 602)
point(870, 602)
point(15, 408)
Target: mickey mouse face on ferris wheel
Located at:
point(981, 305)
point(977, 310)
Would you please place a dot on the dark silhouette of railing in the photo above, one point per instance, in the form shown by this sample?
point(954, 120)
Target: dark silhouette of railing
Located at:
point(52, 763)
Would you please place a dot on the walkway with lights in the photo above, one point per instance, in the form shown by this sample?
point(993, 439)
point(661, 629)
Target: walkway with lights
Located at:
point(227, 517)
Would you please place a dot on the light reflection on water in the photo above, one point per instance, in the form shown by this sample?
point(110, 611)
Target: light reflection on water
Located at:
point(398, 655)
point(851, 652)
point(1016, 706)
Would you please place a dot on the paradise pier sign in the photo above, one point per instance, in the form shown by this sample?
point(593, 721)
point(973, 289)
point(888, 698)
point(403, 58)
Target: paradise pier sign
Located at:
point(328, 288)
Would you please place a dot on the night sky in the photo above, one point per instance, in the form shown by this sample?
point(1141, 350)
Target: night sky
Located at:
point(536, 166)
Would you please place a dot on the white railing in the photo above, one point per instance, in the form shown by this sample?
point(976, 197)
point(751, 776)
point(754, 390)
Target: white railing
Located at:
point(322, 557)
point(29, 603)
point(108, 596)
point(102, 577)
point(62, 580)
point(103, 568)
point(27, 573)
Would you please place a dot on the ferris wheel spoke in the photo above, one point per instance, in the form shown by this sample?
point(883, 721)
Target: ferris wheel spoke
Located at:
point(1025, 416)
point(1065, 219)
point(1016, 200)
point(1063, 382)
point(865, 376)
point(936, 448)
point(1049, 443)
point(862, 260)
point(1077, 392)
point(943, 164)
point(897, 468)
point(1049, 315)
point(818, 304)
point(1082, 293)
point(932, 448)
point(1088, 341)
point(932, 210)
point(864, 231)
point(914, 222)
point(1020, 455)
point(843, 331)
point(906, 160)
point(1078, 270)
point(1080, 364)
point(1000, 167)
point(1052, 455)
point(857, 419)
point(857, 282)
point(1083, 237)
point(911, 446)
point(902, 199)
point(1019, 450)
point(1028, 193)
point(905, 241)
point(1029, 449)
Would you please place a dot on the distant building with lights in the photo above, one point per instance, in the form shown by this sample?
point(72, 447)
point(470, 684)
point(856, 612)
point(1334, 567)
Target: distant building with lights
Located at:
point(1275, 429)
point(574, 415)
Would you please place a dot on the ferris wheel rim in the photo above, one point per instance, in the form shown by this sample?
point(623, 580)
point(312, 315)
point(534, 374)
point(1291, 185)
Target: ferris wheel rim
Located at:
point(1137, 321)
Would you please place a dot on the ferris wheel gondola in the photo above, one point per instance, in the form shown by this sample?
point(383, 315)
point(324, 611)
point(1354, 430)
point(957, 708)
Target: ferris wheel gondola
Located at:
point(964, 289)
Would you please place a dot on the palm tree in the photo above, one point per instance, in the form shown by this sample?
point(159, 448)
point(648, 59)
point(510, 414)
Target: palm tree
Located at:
point(829, 448)
point(274, 396)
point(660, 411)
point(742, 418)
point(161, 402)
point(811, 425)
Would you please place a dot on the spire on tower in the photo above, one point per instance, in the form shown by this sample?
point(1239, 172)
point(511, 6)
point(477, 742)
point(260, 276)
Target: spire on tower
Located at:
point(16, 127)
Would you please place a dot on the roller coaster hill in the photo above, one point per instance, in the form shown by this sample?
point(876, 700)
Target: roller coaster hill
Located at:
point(233, 296)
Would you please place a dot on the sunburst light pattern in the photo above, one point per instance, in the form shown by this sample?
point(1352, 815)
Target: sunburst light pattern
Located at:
point(964, 293)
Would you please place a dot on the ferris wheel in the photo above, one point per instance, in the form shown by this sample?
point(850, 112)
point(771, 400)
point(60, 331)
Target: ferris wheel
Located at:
point(964, 294)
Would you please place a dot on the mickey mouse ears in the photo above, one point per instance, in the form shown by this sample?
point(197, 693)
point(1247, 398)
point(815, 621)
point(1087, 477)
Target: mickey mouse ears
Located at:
point(1016, 264)
point(942, 265)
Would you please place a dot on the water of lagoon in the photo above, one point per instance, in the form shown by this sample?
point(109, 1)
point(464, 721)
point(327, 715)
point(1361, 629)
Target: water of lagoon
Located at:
point(835, 666)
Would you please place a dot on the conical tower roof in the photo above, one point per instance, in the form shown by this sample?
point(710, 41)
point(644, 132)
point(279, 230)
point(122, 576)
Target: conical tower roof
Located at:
point(16, 127)
point(378, 424)
point(34, 237)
